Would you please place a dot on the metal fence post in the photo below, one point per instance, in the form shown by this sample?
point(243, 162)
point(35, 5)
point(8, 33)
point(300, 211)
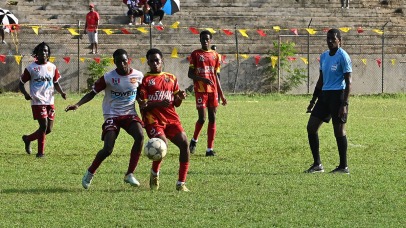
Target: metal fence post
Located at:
point(238, 58)
point(78, 53)
point(308, 57)
point(383, 54)
point(279, 63)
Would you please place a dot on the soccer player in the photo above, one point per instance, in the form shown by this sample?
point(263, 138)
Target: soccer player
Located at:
point(160, 94)
point(332, 94)
point(203, 69)
point(44, 79)
point(120, 89)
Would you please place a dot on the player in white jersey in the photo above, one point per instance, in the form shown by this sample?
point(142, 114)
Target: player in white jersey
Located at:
point(120, 87)
point(43, 77)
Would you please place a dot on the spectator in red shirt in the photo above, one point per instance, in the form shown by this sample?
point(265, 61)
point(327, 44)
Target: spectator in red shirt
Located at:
point(91, 26)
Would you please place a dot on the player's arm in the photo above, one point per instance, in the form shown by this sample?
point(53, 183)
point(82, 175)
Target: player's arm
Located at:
point(220, 91)
point(178, 98)
point(344, 106)
point(86, 98)
point(316, 93)
point(58, 88)
point(24, 91)
point(191, 74)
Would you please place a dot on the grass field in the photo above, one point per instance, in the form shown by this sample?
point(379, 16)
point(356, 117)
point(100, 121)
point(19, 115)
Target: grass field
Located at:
point(256, 181)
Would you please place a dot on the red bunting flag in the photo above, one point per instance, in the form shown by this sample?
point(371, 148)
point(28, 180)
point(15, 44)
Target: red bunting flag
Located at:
point(194, 30)
point(228, 32)
point(159, 28)
point(223, 58)
point(291, 58)
point(3, 58)
point(125, 31)
point(318, 59)
point(360, 30)
point(257, 58)
point(294, 30)
point(97, 59)
point(130, 60)
point(67, 59)
point(326, 29)
point(261, 32)
point(379, 61)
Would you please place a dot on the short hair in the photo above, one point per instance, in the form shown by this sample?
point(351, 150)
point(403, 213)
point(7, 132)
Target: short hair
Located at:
point(335, 31)
point(37, 48)
point(206, 32)
point(153, 51)
point(119, 52)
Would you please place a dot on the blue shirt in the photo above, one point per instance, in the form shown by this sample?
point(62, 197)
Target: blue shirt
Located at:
point(333, 69)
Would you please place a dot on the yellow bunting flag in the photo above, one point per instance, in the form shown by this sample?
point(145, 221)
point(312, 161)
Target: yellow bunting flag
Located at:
point(111, 60)
point(245, 56)
point(143, 60)
point(142, 29)
point(211, 30)
point(175, 25)
point(108, 31)
point(35, 29)
point(311, 31)
point(393, 61)
point(274, 59)
point(345, 29)
point(364, 61)
point(243, 32)
point(51, 59)
point(82, 60)
point(276, 28)
point(304, 60)
point(73, 32)
point(174, 53)
point(380, 32)
point(18, 58)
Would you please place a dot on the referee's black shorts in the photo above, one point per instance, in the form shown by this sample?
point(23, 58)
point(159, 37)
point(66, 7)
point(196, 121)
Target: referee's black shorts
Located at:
point(328, 105)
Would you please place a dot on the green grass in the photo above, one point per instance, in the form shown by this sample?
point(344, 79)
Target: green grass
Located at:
point(256, 181)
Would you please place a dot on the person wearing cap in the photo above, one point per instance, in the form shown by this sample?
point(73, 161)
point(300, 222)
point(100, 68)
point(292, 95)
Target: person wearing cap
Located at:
point(91, 25)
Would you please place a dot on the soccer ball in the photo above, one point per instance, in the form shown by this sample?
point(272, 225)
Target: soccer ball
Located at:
point(155, 149)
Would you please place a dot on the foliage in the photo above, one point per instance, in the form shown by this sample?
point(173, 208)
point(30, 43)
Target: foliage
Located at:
point(256, 180)
point(293, 77)
point(96, 70)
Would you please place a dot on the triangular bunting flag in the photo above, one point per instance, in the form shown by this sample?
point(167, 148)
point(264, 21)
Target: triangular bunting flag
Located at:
point(294, 30)
point(257, 58)
point(261, 32)
point(311, 31)
point(228, 32)
point(142, 29)
point(18, 58)
point(194, 30)
point(276, 28)
point(175, 25)
point(243, 32)
point(360, 30)
point(35, 29)
point(3, 58)
point(380, 32)
point(291, 58)
point(51, 59)
point(111, 60)
point(304, 60)
point(82, 59)
point(393, 61)
point(67, 59)
point(245, 56)
point(364, 61)
point(379, 62)
point(129, 60)
point(211, 30)
point(143, 60)
point(174, 53)
point(125, 31)
point(274, 60)
point(73, 32)
point(108, 31)
point(97, 59)
point(159, 28)
point(345, 29)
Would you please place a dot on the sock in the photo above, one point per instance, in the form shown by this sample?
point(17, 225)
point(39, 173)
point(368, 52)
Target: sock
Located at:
point(342, 150)
point(183, 169)
point(209, 149)
point(96, 163)
point(41, 142)
point(198, 128)
point(134, 158)
point(314, 147)
point(156, 165)
point(211, 133)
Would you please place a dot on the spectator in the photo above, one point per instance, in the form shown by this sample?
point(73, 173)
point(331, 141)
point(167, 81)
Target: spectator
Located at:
point(2, 35)
point(91, 26)
point(145, 8)
point(345, 4)
point(135, 10)
point(156, 10)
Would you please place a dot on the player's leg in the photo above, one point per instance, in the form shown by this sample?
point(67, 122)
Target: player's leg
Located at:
point(201, 100)
point(41, 134)
point(313, 126)
point(180, 140)
point(155, 131)
point(136, 131)
point(211, 130)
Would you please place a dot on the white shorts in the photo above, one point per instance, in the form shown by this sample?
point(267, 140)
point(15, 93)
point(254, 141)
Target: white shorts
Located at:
point(92, 37)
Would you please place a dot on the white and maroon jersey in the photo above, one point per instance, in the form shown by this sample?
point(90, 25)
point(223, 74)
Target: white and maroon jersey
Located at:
point(42, 78)
point(156, 88)
point(120, 92)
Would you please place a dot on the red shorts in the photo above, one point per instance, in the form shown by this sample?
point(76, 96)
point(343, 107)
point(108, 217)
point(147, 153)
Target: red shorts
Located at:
point(43, 111)
point(168, 130)
point(204, 100)
point(114, 124)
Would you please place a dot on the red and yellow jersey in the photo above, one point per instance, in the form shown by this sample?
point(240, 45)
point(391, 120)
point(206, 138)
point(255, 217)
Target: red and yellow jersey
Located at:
point(205, 64)
point(156, 88)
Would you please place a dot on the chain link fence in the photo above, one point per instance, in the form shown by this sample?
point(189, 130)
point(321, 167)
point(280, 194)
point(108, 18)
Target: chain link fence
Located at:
point(378, 59)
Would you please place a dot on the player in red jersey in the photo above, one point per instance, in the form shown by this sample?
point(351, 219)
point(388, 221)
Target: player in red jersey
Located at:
point(160, 94)
point(120, 87)
point(203, 69)
point(44, 78)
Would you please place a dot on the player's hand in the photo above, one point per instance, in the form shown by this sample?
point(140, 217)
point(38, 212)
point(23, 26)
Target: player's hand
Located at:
point(207, 81)
point(143, 103)
point(27, 97)
point(223, 101)
point(342, 113)
point(71, 107)
point(165, 103)
point(310, 108)
point(181, 95)
point(63, 95)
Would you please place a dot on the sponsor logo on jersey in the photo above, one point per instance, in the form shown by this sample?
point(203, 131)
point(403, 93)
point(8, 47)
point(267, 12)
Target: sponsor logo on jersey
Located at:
point(115, 81)
point(123, 94)
point(151, 82)
point(133, 80)
point(201, 58)
point(167, 79)
point(161, 95)
point(49, 68)
point(205, 70)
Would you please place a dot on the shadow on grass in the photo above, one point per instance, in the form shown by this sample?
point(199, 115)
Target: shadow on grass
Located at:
point(37, 190)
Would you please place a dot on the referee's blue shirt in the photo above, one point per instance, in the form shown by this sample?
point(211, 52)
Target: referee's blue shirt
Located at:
point(333, 69)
